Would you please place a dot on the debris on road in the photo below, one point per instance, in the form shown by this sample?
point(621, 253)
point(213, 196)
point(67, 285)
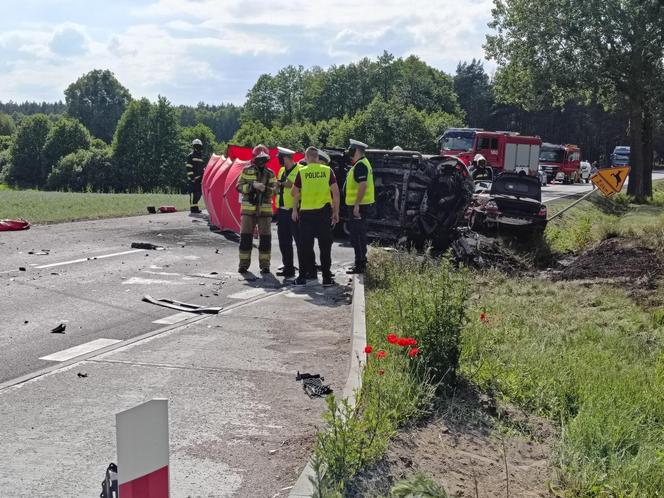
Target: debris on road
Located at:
point(312, 384)
point(60, 329)
point(152, 210)
point(21, 268)
point(167, 209)
point(146, 245)
point(43, 252)
point(177, 305)
point(12, 225)
point(82, 375)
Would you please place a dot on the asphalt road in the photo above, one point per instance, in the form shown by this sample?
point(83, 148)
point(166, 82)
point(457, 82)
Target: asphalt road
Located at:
point(92, 281)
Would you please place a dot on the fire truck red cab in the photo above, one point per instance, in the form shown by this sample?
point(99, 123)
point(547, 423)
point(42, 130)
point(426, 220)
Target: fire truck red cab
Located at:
point(561, 162)
point(503, 150)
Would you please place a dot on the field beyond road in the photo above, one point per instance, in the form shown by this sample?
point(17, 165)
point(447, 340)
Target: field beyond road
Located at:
point(53, 207)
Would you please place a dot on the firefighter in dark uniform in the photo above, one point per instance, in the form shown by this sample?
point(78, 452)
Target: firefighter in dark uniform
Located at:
point(359, 199)
point(317, 213)
point(286, 228)
point(257, 184)
point(195, 169)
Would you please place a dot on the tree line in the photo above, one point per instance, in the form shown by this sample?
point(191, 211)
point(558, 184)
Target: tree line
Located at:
point(107, 141)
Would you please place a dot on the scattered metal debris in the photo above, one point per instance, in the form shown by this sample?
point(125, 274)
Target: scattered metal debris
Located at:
point(146, 245)
point(60, 329)
point(21, 268)
point(177, 305)
point(312, 384)
point(82, 375)
point(43, 252)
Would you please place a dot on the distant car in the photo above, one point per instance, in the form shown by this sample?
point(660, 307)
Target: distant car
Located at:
point(513, 201)
point(586, 171)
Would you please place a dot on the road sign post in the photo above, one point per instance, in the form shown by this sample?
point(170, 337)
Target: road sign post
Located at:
point(142, 440)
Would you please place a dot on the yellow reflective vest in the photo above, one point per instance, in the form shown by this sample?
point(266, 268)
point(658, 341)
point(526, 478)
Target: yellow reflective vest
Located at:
point(285, 195)
point(315, 186)
point(352, 186)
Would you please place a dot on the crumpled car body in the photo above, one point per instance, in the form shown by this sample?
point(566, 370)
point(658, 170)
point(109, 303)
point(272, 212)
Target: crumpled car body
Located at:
point(512, 201)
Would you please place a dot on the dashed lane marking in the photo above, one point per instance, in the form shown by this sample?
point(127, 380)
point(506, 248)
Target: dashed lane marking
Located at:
point(173, 319)
point(81, 260)
point(81, 349)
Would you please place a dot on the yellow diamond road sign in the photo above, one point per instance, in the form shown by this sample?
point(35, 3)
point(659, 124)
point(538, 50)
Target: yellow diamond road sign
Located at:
point(610, 180)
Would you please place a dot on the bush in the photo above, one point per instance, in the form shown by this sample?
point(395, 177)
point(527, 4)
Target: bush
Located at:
point(90, 170)
point(27, 159)
point(68, 172)
point(67, 136)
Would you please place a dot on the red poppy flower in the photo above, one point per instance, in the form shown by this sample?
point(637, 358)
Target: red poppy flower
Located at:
point(413, 352)
point(412, 342)
point(381, 371)
point(381, 354)
point(392, 338)
point(403, 341)
point(368, 349)
point(483, 317)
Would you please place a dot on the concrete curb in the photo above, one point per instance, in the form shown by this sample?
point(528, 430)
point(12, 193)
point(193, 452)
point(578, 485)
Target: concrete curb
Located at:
point(303, 487)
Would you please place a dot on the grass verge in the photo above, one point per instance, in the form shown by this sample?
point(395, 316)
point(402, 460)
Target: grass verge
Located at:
point(53, 207)
point(415, 313)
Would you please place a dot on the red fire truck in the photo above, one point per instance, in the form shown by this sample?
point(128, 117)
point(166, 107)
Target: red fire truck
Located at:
point(561, 162)
point(503, 150)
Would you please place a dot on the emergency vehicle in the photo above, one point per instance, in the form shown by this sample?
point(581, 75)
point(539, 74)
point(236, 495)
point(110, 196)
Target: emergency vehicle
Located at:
point(503, 150)
point(561, 162)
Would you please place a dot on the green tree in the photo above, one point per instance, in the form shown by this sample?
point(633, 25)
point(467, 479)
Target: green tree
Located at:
point(612, 50)
point(97, 99)
point(147, 147)
point(261, 104)
point(66, 136)
point(6, 124)
point(27, 158)
point(472, 86)
point(252, 133)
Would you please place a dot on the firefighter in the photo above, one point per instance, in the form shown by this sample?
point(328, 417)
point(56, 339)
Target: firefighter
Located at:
point(317, 212)
point(195, 169)
point(359, 199)
point(480, 169)
point(287, 230)
point(257, 184)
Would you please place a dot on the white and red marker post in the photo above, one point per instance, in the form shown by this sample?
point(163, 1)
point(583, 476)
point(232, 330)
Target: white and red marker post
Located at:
point(142, 439)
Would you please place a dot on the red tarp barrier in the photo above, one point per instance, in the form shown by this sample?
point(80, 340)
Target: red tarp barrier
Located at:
point(10, 225)
point(222, 200)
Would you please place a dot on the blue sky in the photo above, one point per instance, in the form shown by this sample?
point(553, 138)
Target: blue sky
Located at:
point(214, 50)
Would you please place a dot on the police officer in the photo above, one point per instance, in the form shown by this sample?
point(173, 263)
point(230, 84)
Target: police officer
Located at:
point(257, 184)
point(287, 230)
point(359, 199)
point(195, 169)
point(317, 213)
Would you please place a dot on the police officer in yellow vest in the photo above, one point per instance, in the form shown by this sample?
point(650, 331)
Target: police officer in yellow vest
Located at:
point(317, 213)
point(257, 184)
point(359, 199)
point(287, 230)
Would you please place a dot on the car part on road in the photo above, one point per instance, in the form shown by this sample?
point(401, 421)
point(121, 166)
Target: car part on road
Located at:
point(167, 209)
point(109, 486)
point(312, 384)
point(82, 375)
point(152, 210)
point(43, 252)
point(60, 329)
point(146, 245)
point(11, 225)
point(177, 305)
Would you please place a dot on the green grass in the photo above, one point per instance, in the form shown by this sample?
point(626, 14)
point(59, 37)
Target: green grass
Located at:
point(53, 207)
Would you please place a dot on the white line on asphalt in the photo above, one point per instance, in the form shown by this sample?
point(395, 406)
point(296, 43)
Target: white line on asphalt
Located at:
point(249, 293)
point(81, 260)
point(177, 318)
point(81, 349)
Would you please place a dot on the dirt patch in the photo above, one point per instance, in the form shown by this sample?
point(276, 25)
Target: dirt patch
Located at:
point(480, 252)
point(615, 258)
point(462, 448)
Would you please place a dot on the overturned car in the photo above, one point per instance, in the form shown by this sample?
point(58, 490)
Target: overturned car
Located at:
point(512, 200)
point(418, 198)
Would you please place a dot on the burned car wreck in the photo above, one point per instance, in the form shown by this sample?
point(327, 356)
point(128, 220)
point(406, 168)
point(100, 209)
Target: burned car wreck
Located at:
point(419, 199)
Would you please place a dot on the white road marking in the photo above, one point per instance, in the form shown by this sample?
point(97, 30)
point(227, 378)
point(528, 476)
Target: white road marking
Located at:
point(149, 281)
point(88, 347)
point(177, 318)
point(81, 260)
point(168, 274)
point(248, 294)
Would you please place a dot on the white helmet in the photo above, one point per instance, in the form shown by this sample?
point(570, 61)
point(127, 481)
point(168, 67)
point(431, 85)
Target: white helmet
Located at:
point(397, 148)
point(478, 158)
point(197, 142)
